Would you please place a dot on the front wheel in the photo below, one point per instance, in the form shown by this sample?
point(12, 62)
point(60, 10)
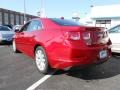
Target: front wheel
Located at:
point(41, 60)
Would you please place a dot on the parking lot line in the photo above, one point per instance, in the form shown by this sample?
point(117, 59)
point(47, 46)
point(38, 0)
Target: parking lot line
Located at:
point(2, 46)
point(39, 82)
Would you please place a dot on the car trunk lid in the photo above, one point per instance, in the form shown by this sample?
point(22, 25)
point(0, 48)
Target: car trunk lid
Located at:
point(90, 35)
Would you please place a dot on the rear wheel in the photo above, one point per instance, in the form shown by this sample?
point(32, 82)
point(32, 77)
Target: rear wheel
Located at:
point(41, 60)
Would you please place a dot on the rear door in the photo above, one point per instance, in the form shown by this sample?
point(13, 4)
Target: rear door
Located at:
point(114, 34)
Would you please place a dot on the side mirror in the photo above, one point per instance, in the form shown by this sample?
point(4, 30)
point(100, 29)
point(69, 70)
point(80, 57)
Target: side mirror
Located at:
point(16, 30)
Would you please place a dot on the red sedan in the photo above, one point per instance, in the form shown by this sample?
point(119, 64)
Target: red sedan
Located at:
point(62, 44)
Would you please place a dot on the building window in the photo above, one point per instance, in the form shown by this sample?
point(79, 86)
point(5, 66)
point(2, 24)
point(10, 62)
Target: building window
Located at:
point(17, 19)
point(6, 21)
point(103, 21)
point(0, 17)
point(27, 18)
point(12, 19)
point(21, 19)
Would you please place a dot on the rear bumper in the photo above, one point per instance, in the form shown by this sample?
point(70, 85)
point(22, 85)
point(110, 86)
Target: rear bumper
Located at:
point(64, 64)
point(80, 57)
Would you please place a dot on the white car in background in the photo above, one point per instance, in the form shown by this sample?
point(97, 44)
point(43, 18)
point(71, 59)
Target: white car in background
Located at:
point(114, 34)
point(6, 34)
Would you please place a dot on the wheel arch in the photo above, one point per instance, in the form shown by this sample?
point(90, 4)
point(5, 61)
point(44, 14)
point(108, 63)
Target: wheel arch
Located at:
point(35, 47)
point(40, 45)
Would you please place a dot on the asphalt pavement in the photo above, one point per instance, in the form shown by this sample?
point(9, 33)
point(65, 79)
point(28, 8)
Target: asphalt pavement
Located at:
point(18, 72)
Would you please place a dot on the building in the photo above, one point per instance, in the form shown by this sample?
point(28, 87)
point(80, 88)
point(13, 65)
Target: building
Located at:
point(104, 16)
point(13, 17)
point(87, 20)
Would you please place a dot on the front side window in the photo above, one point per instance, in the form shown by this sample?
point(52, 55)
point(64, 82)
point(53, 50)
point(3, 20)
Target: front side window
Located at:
point(34, 25)
point(25, 27)
point(65, 22)
point(115, 29)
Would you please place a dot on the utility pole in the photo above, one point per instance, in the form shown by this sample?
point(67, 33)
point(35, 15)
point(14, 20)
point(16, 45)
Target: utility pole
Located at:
point(24, 11)
point(42, 9)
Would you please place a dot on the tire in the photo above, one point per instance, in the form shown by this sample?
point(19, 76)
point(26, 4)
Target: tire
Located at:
point(41, 60)
point(14, 47)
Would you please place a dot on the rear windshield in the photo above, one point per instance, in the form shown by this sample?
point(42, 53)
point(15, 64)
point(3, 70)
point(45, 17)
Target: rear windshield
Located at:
point(4, 28)
point(65, 22)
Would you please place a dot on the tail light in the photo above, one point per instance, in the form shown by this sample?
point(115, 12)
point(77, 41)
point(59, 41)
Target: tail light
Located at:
point(73, 35)
point(103, 34)
point(94, 36)
point(87, 38)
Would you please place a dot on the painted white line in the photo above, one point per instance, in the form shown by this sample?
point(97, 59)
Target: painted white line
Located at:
point(39, 82)
point(2, 46)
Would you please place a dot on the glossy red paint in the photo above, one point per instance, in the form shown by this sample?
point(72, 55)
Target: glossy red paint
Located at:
point(63, 52)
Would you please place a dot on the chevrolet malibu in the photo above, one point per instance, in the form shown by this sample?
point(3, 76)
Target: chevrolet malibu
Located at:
point(62, 44)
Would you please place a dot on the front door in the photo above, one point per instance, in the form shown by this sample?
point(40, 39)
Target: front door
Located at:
point(27, 36)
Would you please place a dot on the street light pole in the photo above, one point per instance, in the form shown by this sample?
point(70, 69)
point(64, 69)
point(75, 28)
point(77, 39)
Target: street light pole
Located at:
point(41, 13)
point(24, 11)
point(42, 9)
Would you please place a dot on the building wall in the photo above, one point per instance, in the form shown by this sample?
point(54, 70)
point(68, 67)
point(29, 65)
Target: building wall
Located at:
point(104, 16)
point(105, 22)
point(13, 17)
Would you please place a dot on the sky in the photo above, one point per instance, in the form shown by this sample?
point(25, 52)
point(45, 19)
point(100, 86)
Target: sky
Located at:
point(56, 8)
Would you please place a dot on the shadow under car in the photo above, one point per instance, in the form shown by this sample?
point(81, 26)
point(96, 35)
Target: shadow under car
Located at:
point(108, 69)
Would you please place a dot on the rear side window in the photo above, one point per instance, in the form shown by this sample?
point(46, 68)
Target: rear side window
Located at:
point(4, 28)
point(65, 22)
